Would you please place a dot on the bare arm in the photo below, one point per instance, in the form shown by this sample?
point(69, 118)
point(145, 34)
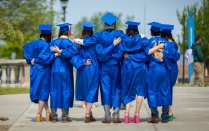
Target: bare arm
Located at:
point(159, 46)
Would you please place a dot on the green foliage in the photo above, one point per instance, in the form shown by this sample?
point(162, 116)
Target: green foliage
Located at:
point(201, 19)
point(25, 16)
point(13, 38)
point(16, 90)
point(77, 28)
point(183, 21)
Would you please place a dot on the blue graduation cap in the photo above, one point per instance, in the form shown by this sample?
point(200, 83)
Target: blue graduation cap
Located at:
point(109, 18)
point(64, 27)
point(166, 28)
point(45, 28)
point(155, 26)
point(88, 26)
point(132, 25)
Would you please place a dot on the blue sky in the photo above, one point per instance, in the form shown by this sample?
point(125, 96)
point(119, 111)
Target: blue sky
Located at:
point(144, 11)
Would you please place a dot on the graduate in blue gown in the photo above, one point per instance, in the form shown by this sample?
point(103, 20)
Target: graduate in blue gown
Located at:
point(39, 70)
point(87, 79)
point(62, 83)
point(157, 81)
point(134, 69)
point(159, 92)
point(87, 76)
point(110, 67)
point(173, 71)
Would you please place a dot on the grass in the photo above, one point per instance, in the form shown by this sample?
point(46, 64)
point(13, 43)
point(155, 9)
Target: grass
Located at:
point(186, 84)
point(181, 84)
point(11, 90)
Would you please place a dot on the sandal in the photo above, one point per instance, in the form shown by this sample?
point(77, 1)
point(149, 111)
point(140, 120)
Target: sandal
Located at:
point(48, 117)
point(92, 119)
point(39, 118)
point(136, 118)
point(170, 117)
point(126, 118)
point(87, 118)
point(4, 118)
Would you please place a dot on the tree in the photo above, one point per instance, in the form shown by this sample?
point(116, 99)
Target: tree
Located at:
point(100, 25)
point(201, 20)
point(9, 35)
point(25, 16)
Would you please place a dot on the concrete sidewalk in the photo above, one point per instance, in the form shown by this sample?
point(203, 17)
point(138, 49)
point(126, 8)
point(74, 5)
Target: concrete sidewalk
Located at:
point(190, 107)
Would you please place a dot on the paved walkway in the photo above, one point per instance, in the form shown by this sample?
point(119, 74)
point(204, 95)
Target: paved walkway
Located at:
point(191, 109)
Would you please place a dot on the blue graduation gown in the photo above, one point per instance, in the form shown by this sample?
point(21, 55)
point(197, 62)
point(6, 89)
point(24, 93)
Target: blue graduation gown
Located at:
point(134, 70)
point(39, 72)
point(158, 82)
point(62, 83)
point(171, 57)
point(110, 67)
point(87, 79)
point(174, 66)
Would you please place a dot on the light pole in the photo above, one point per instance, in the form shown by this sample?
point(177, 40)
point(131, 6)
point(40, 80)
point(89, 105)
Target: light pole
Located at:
point(64, 6)
point(184, 41)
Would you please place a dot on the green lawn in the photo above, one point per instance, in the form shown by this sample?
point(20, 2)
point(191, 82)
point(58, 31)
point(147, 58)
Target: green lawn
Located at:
point(181, 84)
point(11, 90)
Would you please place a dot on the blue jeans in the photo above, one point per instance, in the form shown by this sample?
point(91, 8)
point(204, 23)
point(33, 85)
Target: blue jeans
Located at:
point(164, 115)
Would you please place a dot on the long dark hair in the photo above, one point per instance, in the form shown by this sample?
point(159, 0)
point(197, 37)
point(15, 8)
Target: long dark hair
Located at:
point(168, 37)
point(155, 33)
point(63, 33)
point(84, 34)
point(47, 37)
point(131, 32)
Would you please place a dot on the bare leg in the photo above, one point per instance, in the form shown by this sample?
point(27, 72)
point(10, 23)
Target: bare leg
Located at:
point(128, 106)
point(83, 104)
point(46, 107)
point(48, 112)
point(170, 110)
point(170, 114)
point(126, 117)
point(88, 111)
point(139, 100)
point(88, 107)
point(40, 107)
point(136, 118)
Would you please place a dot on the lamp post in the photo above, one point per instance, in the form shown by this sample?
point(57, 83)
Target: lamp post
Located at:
point(64, 6)
point(184, 41)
